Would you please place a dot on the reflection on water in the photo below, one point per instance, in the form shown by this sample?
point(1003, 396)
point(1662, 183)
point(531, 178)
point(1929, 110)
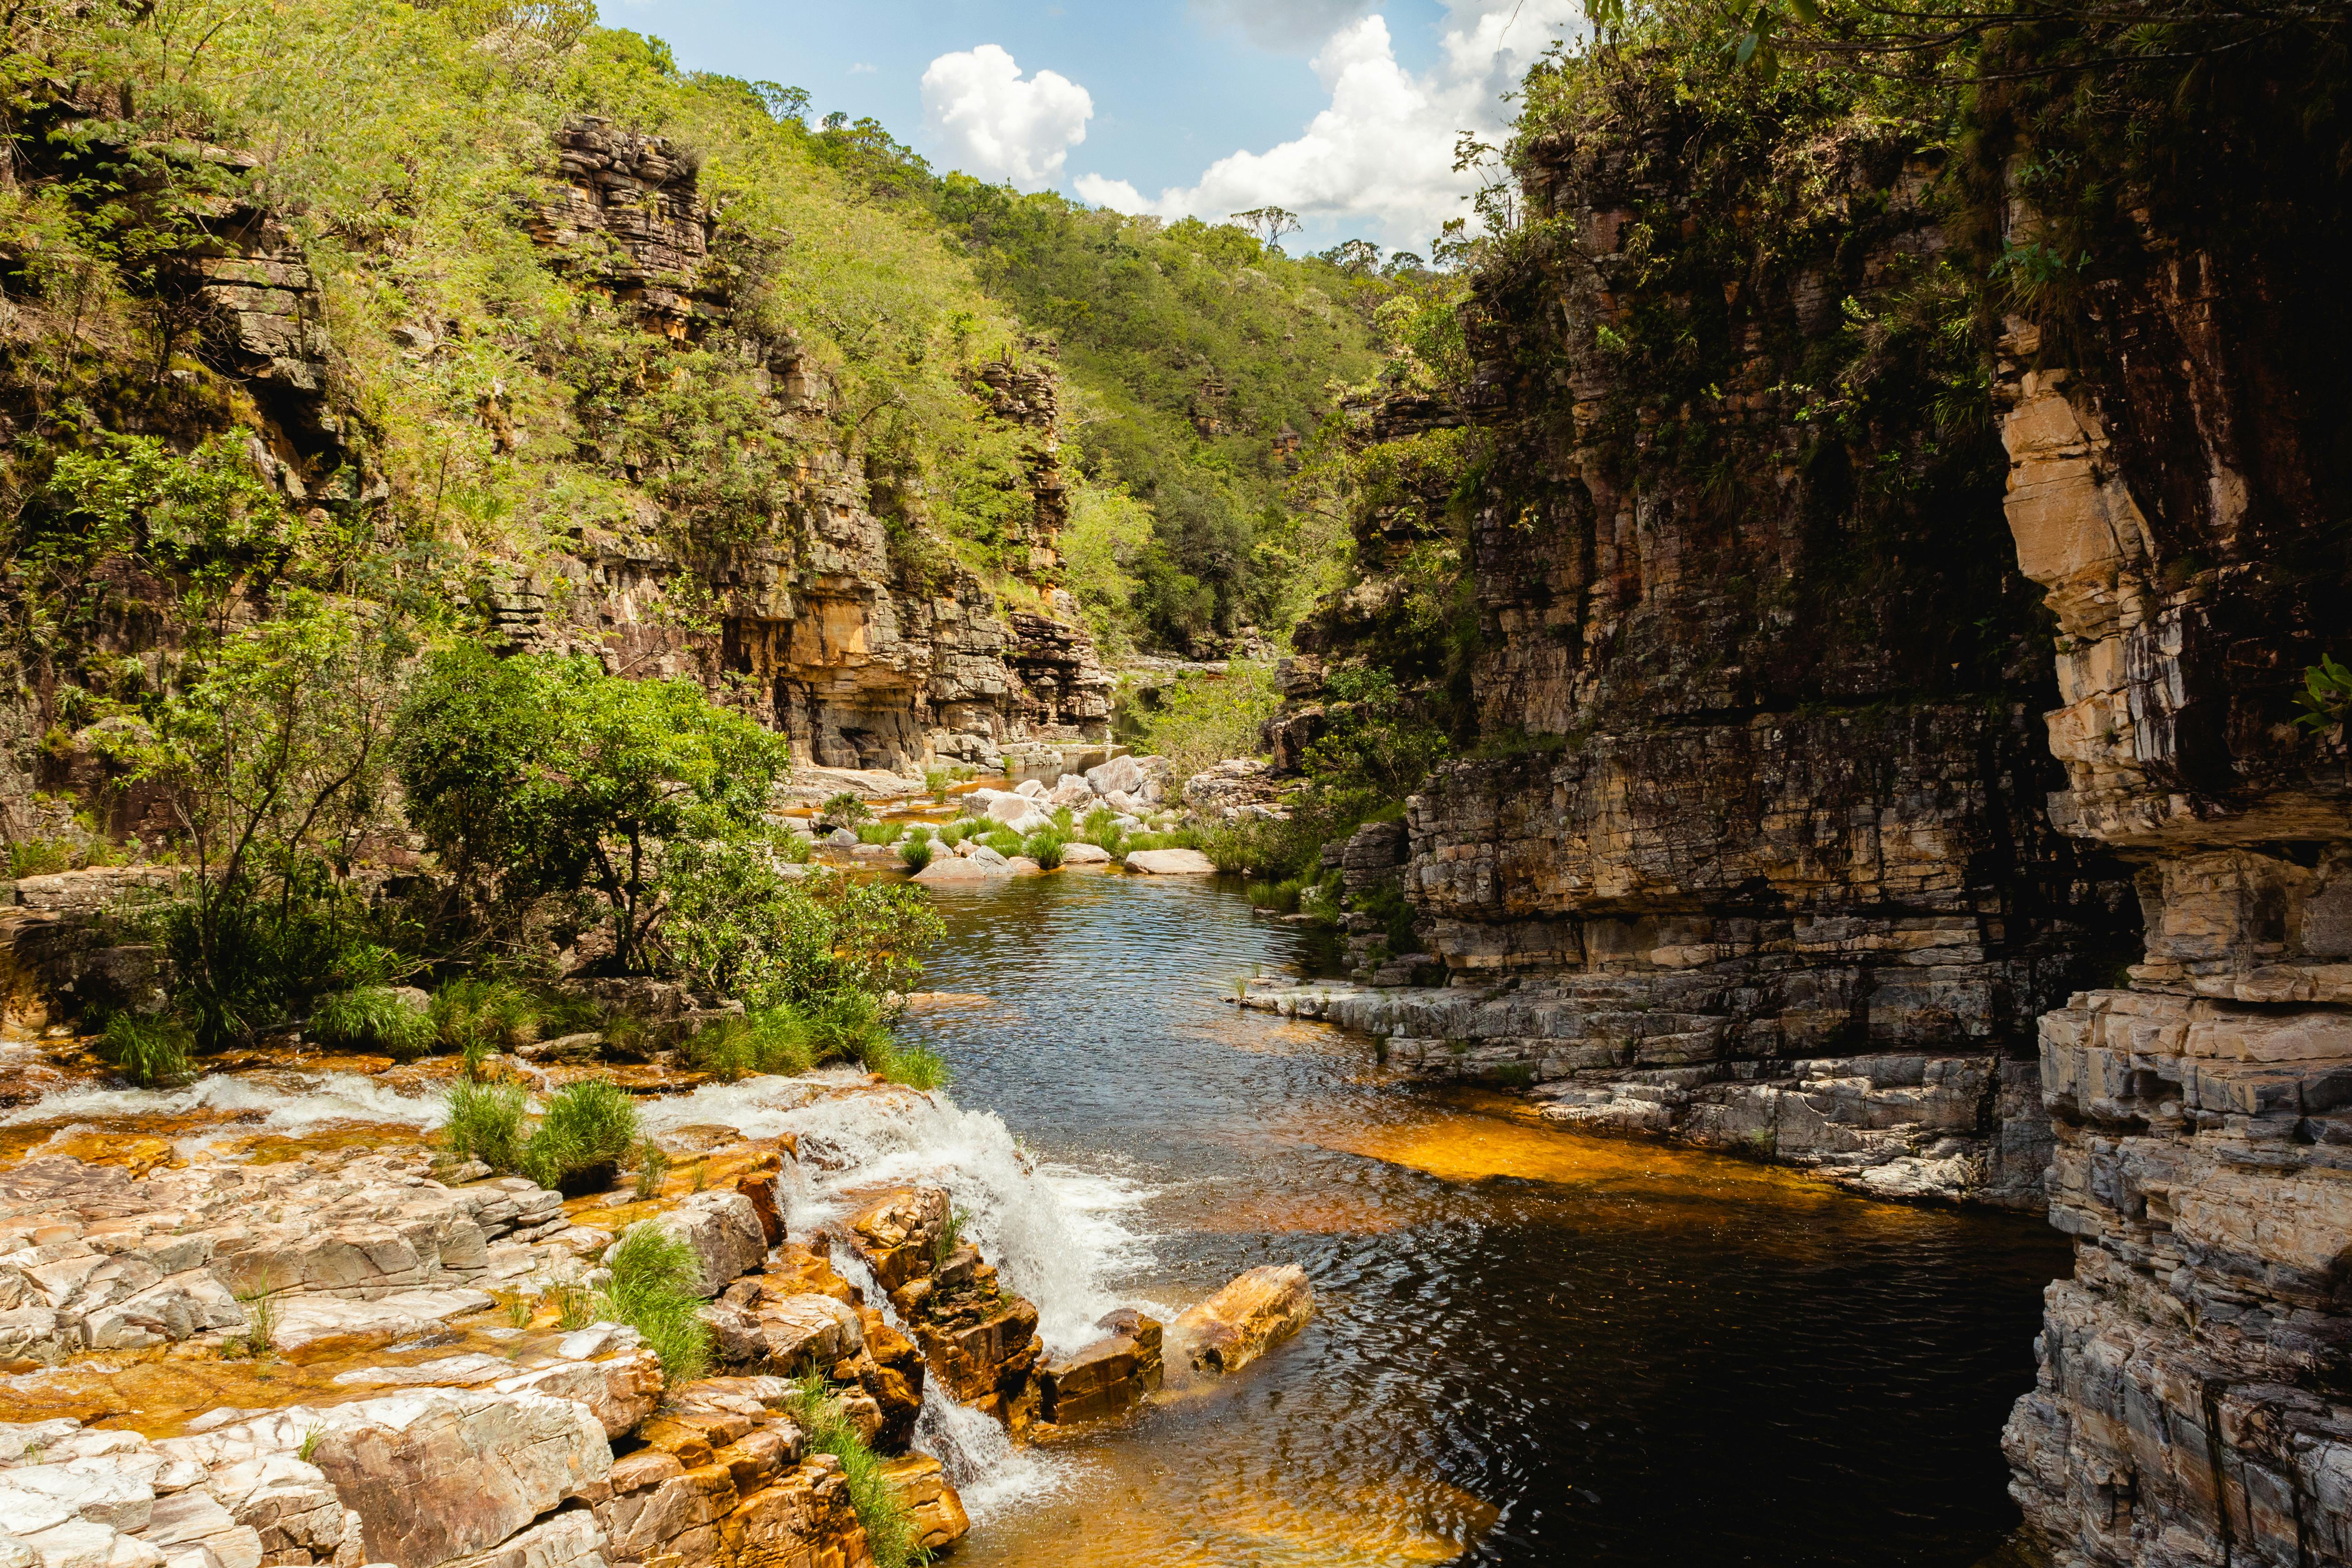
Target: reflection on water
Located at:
point(1535, 1347)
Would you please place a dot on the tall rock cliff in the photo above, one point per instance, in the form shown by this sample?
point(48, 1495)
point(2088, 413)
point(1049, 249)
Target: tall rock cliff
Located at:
point(2178, 484)
point(1755, 854)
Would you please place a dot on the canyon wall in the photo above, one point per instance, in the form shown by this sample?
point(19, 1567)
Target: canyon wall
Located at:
point(851, 631)
point(1752, 849)
point(2181, 504)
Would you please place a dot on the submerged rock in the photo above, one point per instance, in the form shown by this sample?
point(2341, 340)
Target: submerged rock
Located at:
point(1240, 1322)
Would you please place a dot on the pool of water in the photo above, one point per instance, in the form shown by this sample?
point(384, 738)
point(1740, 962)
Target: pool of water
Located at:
point(1531, 1348)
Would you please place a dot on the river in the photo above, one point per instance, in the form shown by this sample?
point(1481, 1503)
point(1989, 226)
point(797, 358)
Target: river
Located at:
point(1532, 1347)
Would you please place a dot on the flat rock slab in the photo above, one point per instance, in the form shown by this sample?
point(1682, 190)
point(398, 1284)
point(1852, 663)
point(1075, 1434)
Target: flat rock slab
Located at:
point(317, 1323)
point(956, 868)
point(1085, 855)
point(1172, 863)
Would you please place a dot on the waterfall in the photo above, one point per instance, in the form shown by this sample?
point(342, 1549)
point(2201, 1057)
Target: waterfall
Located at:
point(1055, 1234)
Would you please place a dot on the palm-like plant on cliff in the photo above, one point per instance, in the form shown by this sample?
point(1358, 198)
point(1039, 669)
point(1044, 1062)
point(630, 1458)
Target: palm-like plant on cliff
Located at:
point(543, 774)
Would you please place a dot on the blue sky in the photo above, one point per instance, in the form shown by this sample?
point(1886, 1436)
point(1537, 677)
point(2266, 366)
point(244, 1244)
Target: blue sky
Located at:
point(1343, 111)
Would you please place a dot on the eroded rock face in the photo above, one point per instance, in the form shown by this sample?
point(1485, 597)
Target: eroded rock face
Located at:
point(2191, 1402)
point(977, 1338)
point(1771, 774)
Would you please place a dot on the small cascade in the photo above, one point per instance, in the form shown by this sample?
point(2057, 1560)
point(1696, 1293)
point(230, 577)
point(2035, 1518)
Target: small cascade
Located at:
point(1055, 1234)
point(989, 1474)
point(286, 1100)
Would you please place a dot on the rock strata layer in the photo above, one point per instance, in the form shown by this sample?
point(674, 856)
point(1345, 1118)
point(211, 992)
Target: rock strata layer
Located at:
point(2191, 1405)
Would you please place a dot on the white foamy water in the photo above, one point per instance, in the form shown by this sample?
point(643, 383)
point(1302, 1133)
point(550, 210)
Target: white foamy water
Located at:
point(1055, 1234)
point(290, 1102)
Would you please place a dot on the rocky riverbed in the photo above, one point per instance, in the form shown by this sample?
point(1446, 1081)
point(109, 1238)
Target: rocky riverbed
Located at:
point(265, 1320)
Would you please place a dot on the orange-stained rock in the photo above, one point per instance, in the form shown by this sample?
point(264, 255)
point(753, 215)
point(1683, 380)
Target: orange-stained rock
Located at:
point(803, 1520)
point(759, 1184)
point(808, 1266)
point(1235, 1326)
point(921, 1486)
point(1107, 1379)
point(896, 1233)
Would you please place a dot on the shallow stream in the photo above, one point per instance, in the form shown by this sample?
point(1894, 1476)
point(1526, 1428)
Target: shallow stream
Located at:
point(1532, 1348)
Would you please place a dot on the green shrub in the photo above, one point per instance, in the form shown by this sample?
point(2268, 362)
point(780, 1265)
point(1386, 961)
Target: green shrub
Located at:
point(372, 1017)
point(889, 1531)
point(587, 1124)
point(655, 1288)
point(496, 1013)
point(915, 853)
point(486, 1122)
point(39, 856)
point(1046, 847)
point(845, 810)
point(150, 1052)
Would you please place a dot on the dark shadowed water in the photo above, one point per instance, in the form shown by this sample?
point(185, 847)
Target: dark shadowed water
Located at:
point(1532, 1348)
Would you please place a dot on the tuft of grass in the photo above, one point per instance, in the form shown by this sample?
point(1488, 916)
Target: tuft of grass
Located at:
point(881, 832)
point(576, 1308)
point(772, 1040)
point(492, 1014)
point(150, 1052)
point(519, 1312)
point(655, 1288)
point(310, 1444)
point(954, 833)
point(1046, 847)
point(39, 856)
point(702, 1173)
point(260, 1317)
point(951, 1237)
point(486, 1122)
point(587, 1124)
point(915, 853)
point(652, 1166)
point(373, 1017)
point(1065, 821)
point(917, 1066)
point(890, 1531)
point(1004, 841)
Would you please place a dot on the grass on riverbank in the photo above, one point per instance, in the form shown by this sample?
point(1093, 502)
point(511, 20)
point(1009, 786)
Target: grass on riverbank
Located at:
point(655, 1290)
point(846, 1026)
point(890, 1531)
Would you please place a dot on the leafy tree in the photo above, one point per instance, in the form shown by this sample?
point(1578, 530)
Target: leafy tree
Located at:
point(272, 758)
point(545, 774)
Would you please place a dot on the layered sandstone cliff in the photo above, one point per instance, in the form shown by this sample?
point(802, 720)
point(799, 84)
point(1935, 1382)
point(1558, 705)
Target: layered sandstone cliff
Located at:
point(2195, 1398)
point(1755, 853)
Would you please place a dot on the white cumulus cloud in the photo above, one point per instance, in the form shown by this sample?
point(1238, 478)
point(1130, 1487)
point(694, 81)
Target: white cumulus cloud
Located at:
point(1379, 155)
point(987, 121)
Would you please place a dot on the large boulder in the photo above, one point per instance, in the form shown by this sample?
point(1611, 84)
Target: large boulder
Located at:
point(1120, 775)
point(1172, 863)
point(962, 870)
point(1072, 791)
point(1236, 1325)
point(920, 1484)
point(723, 1229)
point(1085, 855)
